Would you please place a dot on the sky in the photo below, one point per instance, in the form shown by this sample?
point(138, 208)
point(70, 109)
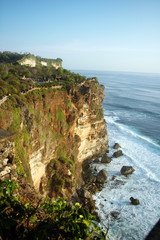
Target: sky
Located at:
point(110, 35)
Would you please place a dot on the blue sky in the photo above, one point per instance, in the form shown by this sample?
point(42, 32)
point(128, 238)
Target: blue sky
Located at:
point(113, 35)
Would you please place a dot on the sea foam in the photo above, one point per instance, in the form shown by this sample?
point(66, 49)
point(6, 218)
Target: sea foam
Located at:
point(133, 222)
point(132, 113)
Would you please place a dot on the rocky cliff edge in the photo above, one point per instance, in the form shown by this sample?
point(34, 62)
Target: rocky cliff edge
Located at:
point(55, 131)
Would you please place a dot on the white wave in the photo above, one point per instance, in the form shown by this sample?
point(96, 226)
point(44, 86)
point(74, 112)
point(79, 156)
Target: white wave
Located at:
point(152, 91)
point(133, 222)
point(130, 130)
point(115, 198)
point(140, 151)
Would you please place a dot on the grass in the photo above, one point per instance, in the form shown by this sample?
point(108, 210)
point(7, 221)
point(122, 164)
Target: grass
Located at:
point(2, 114)
point(99, 114)
point(49, 117)
point(66, 160)
point(69, 104)
point(43, 135)
point(22, 142)
point(15, 125)
point(60, 116)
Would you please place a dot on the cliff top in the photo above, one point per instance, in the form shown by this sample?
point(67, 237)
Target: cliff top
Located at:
point(21, 72)
point(29, 60)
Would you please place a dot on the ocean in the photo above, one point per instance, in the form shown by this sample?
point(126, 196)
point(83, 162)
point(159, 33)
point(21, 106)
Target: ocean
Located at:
point(132, 112)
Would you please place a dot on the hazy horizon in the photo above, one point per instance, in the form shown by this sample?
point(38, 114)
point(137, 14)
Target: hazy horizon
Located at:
point(89, 35)
point(114, 71)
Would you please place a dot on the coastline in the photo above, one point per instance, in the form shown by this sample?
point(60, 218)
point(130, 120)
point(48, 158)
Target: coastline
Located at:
point(114, 195)
point(131, 109)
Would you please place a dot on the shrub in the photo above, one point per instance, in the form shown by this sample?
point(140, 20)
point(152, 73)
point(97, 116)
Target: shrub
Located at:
point(60, 116)
point(48, 220)
point(99, 114)
point(69, 104)
point(15, 125)
point(49, 116)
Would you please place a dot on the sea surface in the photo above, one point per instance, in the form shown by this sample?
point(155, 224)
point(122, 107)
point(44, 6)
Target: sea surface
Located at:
point(132, 112)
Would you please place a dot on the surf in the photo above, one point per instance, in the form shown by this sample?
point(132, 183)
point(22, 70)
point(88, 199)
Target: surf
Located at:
point(132, 114)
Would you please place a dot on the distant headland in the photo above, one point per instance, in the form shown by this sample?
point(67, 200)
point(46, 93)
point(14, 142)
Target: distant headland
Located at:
point(30, 60)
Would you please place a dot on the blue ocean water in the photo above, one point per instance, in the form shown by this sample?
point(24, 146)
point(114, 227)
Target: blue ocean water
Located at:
point(132, 111)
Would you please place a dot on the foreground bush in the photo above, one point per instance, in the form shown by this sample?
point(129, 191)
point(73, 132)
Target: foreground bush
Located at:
point(48, 220)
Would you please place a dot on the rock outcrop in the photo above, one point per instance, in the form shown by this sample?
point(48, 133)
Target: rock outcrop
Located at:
point(134, 201)
point(118, 154)
point(116, 146)
point(55, 132)
point(102, 177)
point(126, 170)
point(33, 61)
point(106, 159)
point(6, 154)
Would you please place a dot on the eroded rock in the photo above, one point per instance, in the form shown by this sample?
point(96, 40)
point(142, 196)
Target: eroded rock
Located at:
point(82, 124)
point(118, 154)
point(134, 201)
point(115, 214)
point(5, 161)
point(87, 194)
point(102, 177)
point(96, 160)
point(5, 171)
point(116, 146)
point(126, 170)
point(106, 159)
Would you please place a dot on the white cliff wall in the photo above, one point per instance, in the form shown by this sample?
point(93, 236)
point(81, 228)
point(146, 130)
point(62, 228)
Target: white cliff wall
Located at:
point(79, 135)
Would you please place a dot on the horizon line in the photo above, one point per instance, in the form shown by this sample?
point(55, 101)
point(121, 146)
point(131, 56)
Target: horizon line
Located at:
point(117, 71)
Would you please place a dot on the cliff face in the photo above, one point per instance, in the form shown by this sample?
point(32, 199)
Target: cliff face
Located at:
point(55, 132)
point(33, 61)
point(6, 154)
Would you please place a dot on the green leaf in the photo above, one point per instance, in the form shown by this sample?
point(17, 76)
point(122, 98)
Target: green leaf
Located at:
point(86, 223)
point(33, 219)
point(4, 192)
point(9, 191)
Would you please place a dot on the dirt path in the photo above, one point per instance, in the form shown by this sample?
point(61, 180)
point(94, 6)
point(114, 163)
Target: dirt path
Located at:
point(4, 99)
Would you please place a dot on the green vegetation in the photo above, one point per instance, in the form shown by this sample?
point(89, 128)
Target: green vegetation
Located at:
point(62, 151)
point(99, 114)
point(67, 161)
point(49, 117)
point(20, 153)
point(15, 125)
point(48, 220)
point(61, 170)
point(98, 111)
point(20, 156)
point(60, 116)
point(69, 104)
point(61, 121)
point(22, 141)
point(16, 78)
point(43, 136)
point(96, 85)
point(9, 57)
point(2, 114)
point(49, 62)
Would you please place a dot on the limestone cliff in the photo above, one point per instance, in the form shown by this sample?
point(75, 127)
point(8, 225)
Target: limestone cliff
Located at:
point(33, 61)
point(55, 132)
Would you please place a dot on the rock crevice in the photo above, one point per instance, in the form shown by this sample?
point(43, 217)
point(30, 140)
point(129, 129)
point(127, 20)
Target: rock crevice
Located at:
point(61, 130)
